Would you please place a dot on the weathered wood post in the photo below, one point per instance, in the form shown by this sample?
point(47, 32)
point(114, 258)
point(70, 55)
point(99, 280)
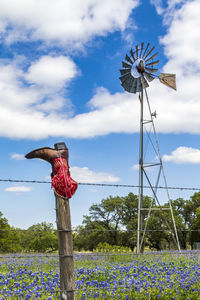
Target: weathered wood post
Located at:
point(64, 188)
point(65, 245)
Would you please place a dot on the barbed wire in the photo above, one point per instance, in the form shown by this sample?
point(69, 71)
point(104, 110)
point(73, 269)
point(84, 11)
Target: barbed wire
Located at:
point(29, 256)
point(95, 230)
point(104, 254)
point(103, 184)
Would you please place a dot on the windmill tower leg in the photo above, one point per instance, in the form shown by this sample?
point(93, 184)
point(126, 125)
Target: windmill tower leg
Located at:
point(154, 190)
point(140, 198)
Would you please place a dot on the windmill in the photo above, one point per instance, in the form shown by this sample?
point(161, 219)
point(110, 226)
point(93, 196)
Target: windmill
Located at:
point(137, 72)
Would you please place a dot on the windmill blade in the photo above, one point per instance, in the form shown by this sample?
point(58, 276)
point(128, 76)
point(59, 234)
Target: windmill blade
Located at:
point(125, 65)
point(151, 70)
point(152, 63)
point(136, 52)
point(149, 52)
point(145, 50)
point(128, 59)
point(134, 85)
point(142, 47)
point(139, 85)
point(125, 77)
point(126, 87)
point(132, 54)
point(127, 84)
point(129, 81)
point(151, 57)
point(148, 76)
point(124, 71)
point(168, 80)
point(144, 82)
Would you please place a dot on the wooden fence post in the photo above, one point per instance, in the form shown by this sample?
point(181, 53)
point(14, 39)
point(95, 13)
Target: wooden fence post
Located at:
point(65, 245)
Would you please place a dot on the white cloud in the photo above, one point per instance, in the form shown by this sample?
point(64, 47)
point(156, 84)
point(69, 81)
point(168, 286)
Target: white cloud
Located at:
point(135, 167)
point(183, 40)
point(184, 155)
point(179, 111)
point(18, 189)
point(28, 107)
point(65, 22)
point(158, 5)
point(17, 156)
point(51, 72)
point(25, 114)
point(86, 175)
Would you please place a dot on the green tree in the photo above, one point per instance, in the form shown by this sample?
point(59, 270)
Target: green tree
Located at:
point(194, 222)
point(195, 229)
point(10, 240)
point(108, 214)
point(89, 236)
point(183, 215)
point(130, 218)
point(157, 234)
point(41, 237)
point(4, 226)
point(113, 221)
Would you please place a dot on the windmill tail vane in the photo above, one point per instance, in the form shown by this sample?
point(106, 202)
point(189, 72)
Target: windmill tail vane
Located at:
point(138, 70)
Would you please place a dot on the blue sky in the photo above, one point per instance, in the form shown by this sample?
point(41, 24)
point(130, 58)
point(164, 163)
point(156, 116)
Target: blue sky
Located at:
point(59, 81)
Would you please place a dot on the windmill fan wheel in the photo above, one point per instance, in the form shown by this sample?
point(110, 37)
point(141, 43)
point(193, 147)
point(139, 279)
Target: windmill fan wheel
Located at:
point(138, 68)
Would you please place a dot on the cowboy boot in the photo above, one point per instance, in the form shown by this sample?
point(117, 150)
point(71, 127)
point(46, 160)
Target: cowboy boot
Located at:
point(62, 182)
point(48, 154)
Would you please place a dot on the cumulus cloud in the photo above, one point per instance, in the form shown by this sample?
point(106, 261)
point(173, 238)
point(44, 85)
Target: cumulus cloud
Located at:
point(179, 111)
point(32, 108)
point(28, 105)
point(86, 175)
point(183, 40)
point(51, 72)
point(17, 156)
point(18, 189)
point(184, 155)
point(64, 22)
point(24, 114)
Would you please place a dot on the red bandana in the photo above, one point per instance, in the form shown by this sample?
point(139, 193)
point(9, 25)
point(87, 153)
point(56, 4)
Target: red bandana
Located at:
point(62, 182)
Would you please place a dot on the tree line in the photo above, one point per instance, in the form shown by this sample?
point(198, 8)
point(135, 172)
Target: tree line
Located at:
point(113, 221)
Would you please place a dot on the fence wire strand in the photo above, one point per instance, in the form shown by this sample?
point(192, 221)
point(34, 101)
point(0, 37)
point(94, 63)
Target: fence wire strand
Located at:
point(102, 254)
point(96, 230)
point(103, 184)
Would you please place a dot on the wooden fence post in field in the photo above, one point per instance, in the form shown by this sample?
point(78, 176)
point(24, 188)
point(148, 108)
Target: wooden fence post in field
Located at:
point(64, 188)
point(65, 245)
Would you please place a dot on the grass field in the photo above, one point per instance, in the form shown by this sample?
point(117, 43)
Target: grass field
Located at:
point(148, 276)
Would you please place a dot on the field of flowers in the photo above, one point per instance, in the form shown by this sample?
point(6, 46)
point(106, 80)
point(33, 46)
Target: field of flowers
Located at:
point(149, 276)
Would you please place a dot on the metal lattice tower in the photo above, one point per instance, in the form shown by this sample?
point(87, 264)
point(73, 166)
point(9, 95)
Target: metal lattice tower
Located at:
point(138, 70)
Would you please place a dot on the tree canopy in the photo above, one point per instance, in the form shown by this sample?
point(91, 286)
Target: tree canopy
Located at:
point(113, 221)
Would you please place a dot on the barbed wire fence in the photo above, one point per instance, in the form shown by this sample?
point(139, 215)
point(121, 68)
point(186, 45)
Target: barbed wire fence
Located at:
point(104, 184)
point(19, 256)
point(101, 185)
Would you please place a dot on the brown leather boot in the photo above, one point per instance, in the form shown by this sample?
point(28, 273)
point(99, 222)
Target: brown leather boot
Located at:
point(48, 154)
point(62, 182)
